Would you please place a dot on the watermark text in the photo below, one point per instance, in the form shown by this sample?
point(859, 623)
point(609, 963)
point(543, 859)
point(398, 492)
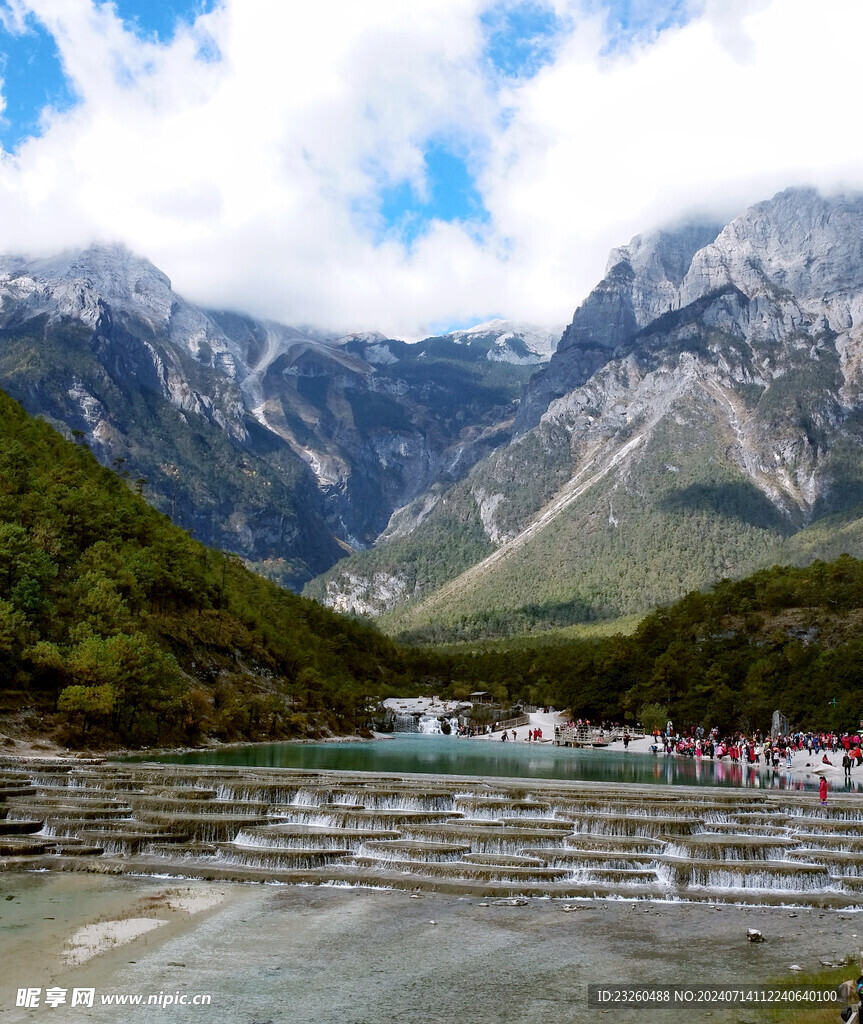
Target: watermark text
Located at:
point(52, 997)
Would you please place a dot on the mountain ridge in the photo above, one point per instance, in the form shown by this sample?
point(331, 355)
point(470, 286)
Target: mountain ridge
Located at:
point(732, 415)
point(283, 444)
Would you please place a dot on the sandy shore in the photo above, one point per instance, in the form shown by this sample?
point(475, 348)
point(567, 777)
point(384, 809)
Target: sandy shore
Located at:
point(163, 907)
point(803, 765)
point(538, 720)
point(93, 939)
point(78, 930)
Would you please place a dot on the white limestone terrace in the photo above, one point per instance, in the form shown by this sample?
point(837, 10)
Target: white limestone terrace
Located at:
point(502, 838)
point(423, 705)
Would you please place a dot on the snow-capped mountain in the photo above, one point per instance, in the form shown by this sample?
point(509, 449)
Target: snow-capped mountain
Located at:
point(509, 341)
point(280, 443)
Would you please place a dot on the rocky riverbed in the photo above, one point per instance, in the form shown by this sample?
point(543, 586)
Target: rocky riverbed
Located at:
point(326, 955)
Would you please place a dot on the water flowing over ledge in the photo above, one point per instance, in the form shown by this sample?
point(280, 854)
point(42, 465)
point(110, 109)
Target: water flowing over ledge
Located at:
point(470, 836)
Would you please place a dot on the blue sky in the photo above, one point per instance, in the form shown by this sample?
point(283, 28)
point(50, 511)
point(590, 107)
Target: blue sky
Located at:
point(448, 193)
point(399, 165)
point(33, 78)
point(630, 20)
point(32, 71)
point(519, 37)
point(519, 40)
point(159, 18)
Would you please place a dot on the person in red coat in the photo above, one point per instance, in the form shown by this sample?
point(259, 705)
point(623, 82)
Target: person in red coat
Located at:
point(822, 791)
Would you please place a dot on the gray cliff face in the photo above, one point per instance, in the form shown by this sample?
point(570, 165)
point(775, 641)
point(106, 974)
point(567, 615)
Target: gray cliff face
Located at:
point(799, 242)
point(376, 421)
point(799, 245)
point(642, 281)
point(768, 319)
point(143, 326)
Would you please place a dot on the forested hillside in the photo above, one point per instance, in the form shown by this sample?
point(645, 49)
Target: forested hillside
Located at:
point(120, 628)
point(117, 627)
point(785, 638)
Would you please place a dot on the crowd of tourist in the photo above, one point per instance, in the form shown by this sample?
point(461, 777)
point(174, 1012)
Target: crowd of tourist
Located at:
point(760, 749)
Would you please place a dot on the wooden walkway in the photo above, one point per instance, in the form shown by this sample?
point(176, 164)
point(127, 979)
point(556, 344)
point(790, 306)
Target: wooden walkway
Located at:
point(588, 736)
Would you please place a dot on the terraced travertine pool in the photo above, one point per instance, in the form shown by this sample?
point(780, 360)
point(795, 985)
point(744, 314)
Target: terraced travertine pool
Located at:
point(434, 833)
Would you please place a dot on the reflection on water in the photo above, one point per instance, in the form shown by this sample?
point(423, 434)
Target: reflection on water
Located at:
point(449, 755)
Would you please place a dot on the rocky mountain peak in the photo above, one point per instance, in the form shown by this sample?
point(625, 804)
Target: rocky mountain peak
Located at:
point(799, 242)
point(511, 341)
point(642, 282)
point(80, 282)
point(112, 268)
point(664, 256)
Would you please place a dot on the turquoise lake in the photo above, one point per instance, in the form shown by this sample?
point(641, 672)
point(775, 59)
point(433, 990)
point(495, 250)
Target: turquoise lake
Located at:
point(449, 755)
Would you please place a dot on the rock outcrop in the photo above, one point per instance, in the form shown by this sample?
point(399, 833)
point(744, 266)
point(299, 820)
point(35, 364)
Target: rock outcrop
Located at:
point(642, 282)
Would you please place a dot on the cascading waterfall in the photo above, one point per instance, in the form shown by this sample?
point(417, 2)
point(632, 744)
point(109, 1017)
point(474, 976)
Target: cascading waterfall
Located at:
point(432, 725)
point(461, 836)
point(783, 876)
point(425, 724)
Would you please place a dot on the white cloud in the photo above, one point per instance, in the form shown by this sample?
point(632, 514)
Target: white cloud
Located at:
point(252, 179)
